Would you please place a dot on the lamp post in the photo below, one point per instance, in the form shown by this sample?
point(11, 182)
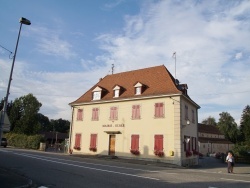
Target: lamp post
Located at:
point(21, 21)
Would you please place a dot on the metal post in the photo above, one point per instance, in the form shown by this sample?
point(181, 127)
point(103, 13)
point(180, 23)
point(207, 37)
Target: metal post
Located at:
point(8, 89)
point(26, 22)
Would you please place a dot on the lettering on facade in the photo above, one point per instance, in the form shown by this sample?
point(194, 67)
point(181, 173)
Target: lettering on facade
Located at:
point(115, 125)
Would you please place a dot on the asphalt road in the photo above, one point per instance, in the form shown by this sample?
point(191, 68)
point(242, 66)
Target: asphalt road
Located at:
point(59, 170)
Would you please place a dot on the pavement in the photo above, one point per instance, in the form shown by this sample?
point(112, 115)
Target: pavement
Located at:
point(9, 179)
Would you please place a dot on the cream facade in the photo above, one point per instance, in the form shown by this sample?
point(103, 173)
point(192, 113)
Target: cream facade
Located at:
point(161, 127)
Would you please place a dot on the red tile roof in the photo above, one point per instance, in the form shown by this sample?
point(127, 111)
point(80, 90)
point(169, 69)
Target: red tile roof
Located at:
point(157, 80)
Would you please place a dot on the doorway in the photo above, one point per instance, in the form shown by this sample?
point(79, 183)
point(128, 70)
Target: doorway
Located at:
point(112, 144)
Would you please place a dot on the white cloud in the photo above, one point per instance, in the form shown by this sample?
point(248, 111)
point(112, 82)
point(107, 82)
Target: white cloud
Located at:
point(49, 42)
point(205, 45)
point(238, 56)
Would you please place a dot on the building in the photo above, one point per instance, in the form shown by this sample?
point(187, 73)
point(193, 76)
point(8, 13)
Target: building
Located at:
point(144, 114)
point(211, 140)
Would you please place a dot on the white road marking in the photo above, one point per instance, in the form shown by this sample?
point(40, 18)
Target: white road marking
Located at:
point(136, 169)
point(235, 180)
point(97, 169)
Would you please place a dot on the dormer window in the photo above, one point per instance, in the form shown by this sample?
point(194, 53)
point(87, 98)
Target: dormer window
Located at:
point(117, 91)
point(138, 88)
point(97, 93)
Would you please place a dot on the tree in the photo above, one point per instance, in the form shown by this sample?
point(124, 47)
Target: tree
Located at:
point(24, 115)
point(245, 125)
point(44, 123)
point(228, 126)
point(209, 121)
point(9, 106)
point(60, 125)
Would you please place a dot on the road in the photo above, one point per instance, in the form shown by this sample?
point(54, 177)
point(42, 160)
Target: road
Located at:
point(60, 170)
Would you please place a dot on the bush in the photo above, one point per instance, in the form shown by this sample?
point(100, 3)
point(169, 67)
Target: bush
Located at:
point(24, 141)
point(241, 149)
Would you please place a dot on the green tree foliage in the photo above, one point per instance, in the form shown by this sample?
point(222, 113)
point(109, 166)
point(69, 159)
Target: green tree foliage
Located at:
point(245, 125)
point(60, 125)
point(9, 106)
point(209, 121)
point(44, 123)
point(24, 115)
point(228, 126)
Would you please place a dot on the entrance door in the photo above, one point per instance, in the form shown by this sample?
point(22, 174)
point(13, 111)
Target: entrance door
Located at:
point(112, 145)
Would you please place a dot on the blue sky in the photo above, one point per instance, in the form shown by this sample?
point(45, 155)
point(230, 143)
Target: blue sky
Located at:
point(70, 45)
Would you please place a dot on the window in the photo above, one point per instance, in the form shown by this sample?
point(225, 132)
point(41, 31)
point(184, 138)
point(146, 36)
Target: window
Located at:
point(158, 143)
point(97, 95)
point(159, 113)
point(135, 142)
point(136, 112)
point(193, 121)
point(79, 115)
point(138, 90)
point(187, 143)
point(186, 112)
point(93, 139)
point(113, 113)
point(95, 114)
point(77, 141)
point(116, 93)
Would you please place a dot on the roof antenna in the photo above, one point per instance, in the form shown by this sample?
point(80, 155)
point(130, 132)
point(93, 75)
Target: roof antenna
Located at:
point(113, 68)
point(174, 56)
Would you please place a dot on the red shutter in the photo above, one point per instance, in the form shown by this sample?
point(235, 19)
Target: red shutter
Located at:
point(113, 113)
point(95, 114)
point(79, 114)
point(133, 111)
point(78, 140)
point(93, 138)
point(158, 143)
point(158, 109)
point(135, 142)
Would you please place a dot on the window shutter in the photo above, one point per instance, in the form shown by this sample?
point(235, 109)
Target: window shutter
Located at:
point(158, 143)
point(78, 140)
point(133, 111)
point(93, 138)
point(79, 114)
point(135, 142)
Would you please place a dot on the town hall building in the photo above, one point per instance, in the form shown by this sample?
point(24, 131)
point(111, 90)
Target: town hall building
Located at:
point(145, 114)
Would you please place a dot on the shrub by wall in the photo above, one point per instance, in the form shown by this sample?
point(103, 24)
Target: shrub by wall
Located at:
point(23, 141)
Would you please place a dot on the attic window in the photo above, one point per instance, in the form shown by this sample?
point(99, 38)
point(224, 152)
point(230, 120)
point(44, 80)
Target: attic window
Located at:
point(97, 93)
point(138, 88)
point(116, 91)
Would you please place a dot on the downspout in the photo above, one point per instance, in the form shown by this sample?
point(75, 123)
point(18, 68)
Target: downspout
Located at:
point(71, 127)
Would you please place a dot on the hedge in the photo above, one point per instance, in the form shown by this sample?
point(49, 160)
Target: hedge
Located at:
point(23, 141)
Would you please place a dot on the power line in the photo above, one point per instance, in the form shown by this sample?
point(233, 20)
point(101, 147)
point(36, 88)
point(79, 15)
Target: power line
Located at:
point(7, 50)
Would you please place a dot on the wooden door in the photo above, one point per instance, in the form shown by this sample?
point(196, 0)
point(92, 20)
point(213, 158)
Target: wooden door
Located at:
point(112, 145)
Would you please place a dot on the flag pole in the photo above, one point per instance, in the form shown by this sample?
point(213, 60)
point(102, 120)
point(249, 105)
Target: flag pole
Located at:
point(174, 56)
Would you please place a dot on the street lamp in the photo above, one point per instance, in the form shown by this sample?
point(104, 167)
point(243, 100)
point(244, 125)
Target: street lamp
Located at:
point(26, 22)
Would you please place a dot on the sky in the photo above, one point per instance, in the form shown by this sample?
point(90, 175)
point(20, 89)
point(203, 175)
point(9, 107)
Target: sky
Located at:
point(70, 45)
